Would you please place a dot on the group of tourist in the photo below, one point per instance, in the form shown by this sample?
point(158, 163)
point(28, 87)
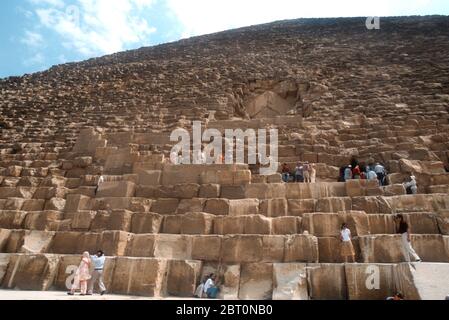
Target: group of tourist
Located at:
point(304, 172)
point(208, 287)
point(89, 272)
point(374, 171)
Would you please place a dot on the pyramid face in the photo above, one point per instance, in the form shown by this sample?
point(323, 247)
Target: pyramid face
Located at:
point(86, 163)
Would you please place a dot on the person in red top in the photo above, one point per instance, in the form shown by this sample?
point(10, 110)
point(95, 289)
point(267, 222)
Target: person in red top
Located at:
point(356, 172)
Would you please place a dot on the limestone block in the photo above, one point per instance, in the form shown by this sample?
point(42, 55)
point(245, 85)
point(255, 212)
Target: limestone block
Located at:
point(233, 192)
point(327, 281)
point(183, 277)
point(169, 246)
point(371, 204)
point(370, 281)
point(31, 272)
point(290, 281)
point(186, 191)
point(381, 223)
point(242, 248)
point(41, 220)
point(171, 224)
point(37, 242)
point(81, 220)
point(191, 205)
point(256, 281)
point(229, 225)
point(139, 276)
point(141, 245)
point(146, 222)
point(11, 241)
point(4, 238)
point(209, 191)
point(77, 202)
point(114, 243)
point(217, 206)
point(149, 177)
point(322, 224)
point(333, 204)
point(329, 250)
point(273, 207)
point(165, 206)
point(14, 204)
point(4, 261)
point(273, 248)
point(116, 189)
point(431, 247)
point(197, 223)
point(422, 223)
point(56, 204)
point(381, 249)
point(243, 207)
point(257, 224)
point(75, 242)
point(301, 248)
point(299, 207)
point(394, 190)
point(265, 190)
point(286, 225)
point(33, 205)
point(12, 219)
point(88, 141)
point(207, 248)
point(357, 222)
point(230, 281)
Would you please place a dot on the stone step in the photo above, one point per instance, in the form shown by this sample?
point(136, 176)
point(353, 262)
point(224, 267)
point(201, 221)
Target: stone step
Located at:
point(249, 281)
point(231, 248)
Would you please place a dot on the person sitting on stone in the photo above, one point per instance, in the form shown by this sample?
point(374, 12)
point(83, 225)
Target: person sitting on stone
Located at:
point(371, 175)
point(348, 173)
point(199, 292)
point(285, 173)
point(299, 173)
point(211, 288)
point(412, 186)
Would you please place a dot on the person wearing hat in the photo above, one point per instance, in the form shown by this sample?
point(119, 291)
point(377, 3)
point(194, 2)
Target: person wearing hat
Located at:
point(412, 186)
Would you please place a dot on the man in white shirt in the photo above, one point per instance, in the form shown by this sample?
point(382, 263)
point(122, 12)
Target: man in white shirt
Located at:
point(97, 275)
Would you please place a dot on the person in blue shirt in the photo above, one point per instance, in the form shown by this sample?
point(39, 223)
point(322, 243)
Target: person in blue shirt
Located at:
point(98, 261)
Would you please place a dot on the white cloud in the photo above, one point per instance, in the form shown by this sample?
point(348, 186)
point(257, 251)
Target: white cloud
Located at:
point(207, 16)
point(32, 39)
point(98, 26)
point(37, 59)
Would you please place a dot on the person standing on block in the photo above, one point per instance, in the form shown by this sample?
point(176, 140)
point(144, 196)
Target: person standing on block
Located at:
point(97, 275)
point(403, 229)
point(100, 181)
point(82, 275)
point(347, 249)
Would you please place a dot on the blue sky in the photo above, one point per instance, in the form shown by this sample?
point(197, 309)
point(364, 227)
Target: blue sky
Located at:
point(36, 34)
